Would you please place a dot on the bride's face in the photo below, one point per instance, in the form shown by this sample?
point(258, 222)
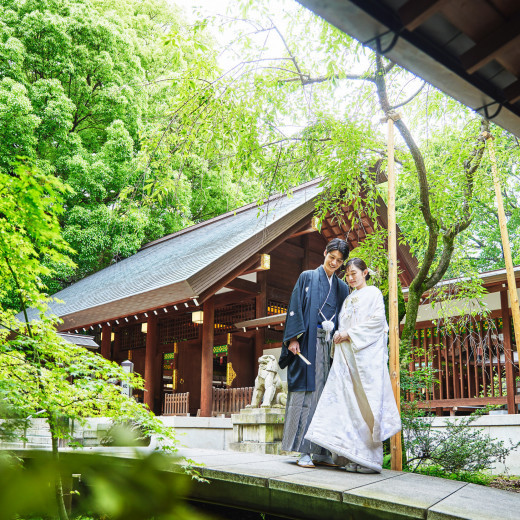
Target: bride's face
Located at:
point(356, 277)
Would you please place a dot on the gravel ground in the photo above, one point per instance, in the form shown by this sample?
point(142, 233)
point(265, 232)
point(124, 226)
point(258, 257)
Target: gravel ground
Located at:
point(506, 483)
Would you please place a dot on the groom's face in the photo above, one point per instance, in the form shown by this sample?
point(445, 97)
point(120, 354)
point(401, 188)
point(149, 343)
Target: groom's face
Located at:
point(333, 261)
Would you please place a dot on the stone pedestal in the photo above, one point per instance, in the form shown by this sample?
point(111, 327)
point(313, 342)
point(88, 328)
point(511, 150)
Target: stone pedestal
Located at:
point(258, 430)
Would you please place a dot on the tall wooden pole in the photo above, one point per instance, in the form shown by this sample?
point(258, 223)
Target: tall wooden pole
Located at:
point(511, 282)
point(508, 353)
point(395, 441)
point(261, 311)
point(206, 369)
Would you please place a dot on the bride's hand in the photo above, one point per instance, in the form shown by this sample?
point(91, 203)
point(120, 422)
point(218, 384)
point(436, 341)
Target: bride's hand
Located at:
point(340, 337)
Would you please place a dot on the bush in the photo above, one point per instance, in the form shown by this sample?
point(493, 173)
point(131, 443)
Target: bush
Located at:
point(456, 449)
point(483, 479)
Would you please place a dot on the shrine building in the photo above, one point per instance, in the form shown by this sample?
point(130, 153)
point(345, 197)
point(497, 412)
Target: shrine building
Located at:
point(194, 310)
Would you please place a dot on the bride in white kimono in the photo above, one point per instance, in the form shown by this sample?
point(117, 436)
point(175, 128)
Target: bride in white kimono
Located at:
point(357, 410)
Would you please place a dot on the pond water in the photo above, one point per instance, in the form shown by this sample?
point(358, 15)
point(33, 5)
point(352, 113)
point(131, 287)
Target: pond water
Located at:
point(217, 512)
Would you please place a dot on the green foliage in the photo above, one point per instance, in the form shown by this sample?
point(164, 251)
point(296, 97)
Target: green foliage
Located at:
point(472, 477)
point(84, 89)
point(17, 122)
point(30, 206)
point(484, 245)
point(40, 373)
point(108, 486)
point(458, 448)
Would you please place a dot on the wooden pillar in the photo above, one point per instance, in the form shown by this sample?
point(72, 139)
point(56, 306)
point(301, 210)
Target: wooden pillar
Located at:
point(306, 262)
point(508, 352)
point(395, 441)
point(150, 378)
point(116, 349)
point(106, 333)
point(511, 282)
point(261, 311)
point(206, 369)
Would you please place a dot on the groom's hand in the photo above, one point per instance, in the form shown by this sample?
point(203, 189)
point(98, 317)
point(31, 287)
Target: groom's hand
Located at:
point(294, 346)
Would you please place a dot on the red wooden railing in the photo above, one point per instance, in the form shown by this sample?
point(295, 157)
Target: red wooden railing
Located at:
point(469, 364)
point(231, 400)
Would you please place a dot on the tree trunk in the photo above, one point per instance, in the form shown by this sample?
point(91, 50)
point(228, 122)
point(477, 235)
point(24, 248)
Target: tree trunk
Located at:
point(58, 484)
point(412, 309)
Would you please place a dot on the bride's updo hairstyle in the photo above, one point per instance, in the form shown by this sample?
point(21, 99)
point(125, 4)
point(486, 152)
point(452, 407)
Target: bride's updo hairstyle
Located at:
point(360, 264)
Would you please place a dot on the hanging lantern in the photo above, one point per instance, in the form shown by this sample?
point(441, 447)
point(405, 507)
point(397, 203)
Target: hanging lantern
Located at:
point(197, 317)
point(265, 262)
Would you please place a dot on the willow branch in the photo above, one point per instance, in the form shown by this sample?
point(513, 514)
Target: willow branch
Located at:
point(393, 107)
point(424, 190)
point(307, 80)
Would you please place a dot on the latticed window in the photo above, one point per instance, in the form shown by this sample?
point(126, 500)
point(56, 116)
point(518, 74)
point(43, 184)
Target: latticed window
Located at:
point(226, 317)
point(275, 307)
point(132, 337)
point(179, 328)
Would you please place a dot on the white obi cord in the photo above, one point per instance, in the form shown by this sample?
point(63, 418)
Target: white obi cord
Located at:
point(328, 325)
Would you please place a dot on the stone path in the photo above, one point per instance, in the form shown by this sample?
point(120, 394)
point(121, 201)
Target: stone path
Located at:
point(275, 484)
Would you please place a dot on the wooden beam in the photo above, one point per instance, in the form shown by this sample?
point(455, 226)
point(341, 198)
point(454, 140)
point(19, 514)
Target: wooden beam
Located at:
point(241, 269)
point(468, 401)
point(416, 12)
point(231, 297)
point(285, 236)
point(492, 45)
point(244, 286)
point(508, 353)
point(206, 369)
point(262, 321)
point(305, 231)
point(310, 227)
point(251, 265)
point(149, 362)
point(512, 92)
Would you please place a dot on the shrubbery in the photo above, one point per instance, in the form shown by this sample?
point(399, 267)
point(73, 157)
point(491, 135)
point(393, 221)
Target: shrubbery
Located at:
point(455, 449)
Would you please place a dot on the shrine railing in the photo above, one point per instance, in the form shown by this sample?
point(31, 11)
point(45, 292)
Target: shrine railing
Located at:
point(177, 404)
point(231, 400)
point(470, 367)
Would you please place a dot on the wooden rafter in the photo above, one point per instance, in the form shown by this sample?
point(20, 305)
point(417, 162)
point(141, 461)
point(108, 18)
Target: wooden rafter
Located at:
point(416, 12)
point(244, 286)
point(492, 45)
point(512, 92)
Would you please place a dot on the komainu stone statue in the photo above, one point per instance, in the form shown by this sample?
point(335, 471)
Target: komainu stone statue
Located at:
point(269, 390)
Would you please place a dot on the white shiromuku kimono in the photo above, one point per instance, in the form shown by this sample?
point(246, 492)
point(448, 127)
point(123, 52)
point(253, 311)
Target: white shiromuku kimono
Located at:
point(357, 410)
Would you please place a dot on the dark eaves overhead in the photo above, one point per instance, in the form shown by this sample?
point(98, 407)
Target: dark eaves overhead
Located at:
point(468, 49)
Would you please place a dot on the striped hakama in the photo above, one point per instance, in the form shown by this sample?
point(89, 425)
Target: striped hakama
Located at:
point(301, 405)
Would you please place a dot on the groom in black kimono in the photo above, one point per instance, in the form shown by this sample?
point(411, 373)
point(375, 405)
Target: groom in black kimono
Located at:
point(312, 316)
